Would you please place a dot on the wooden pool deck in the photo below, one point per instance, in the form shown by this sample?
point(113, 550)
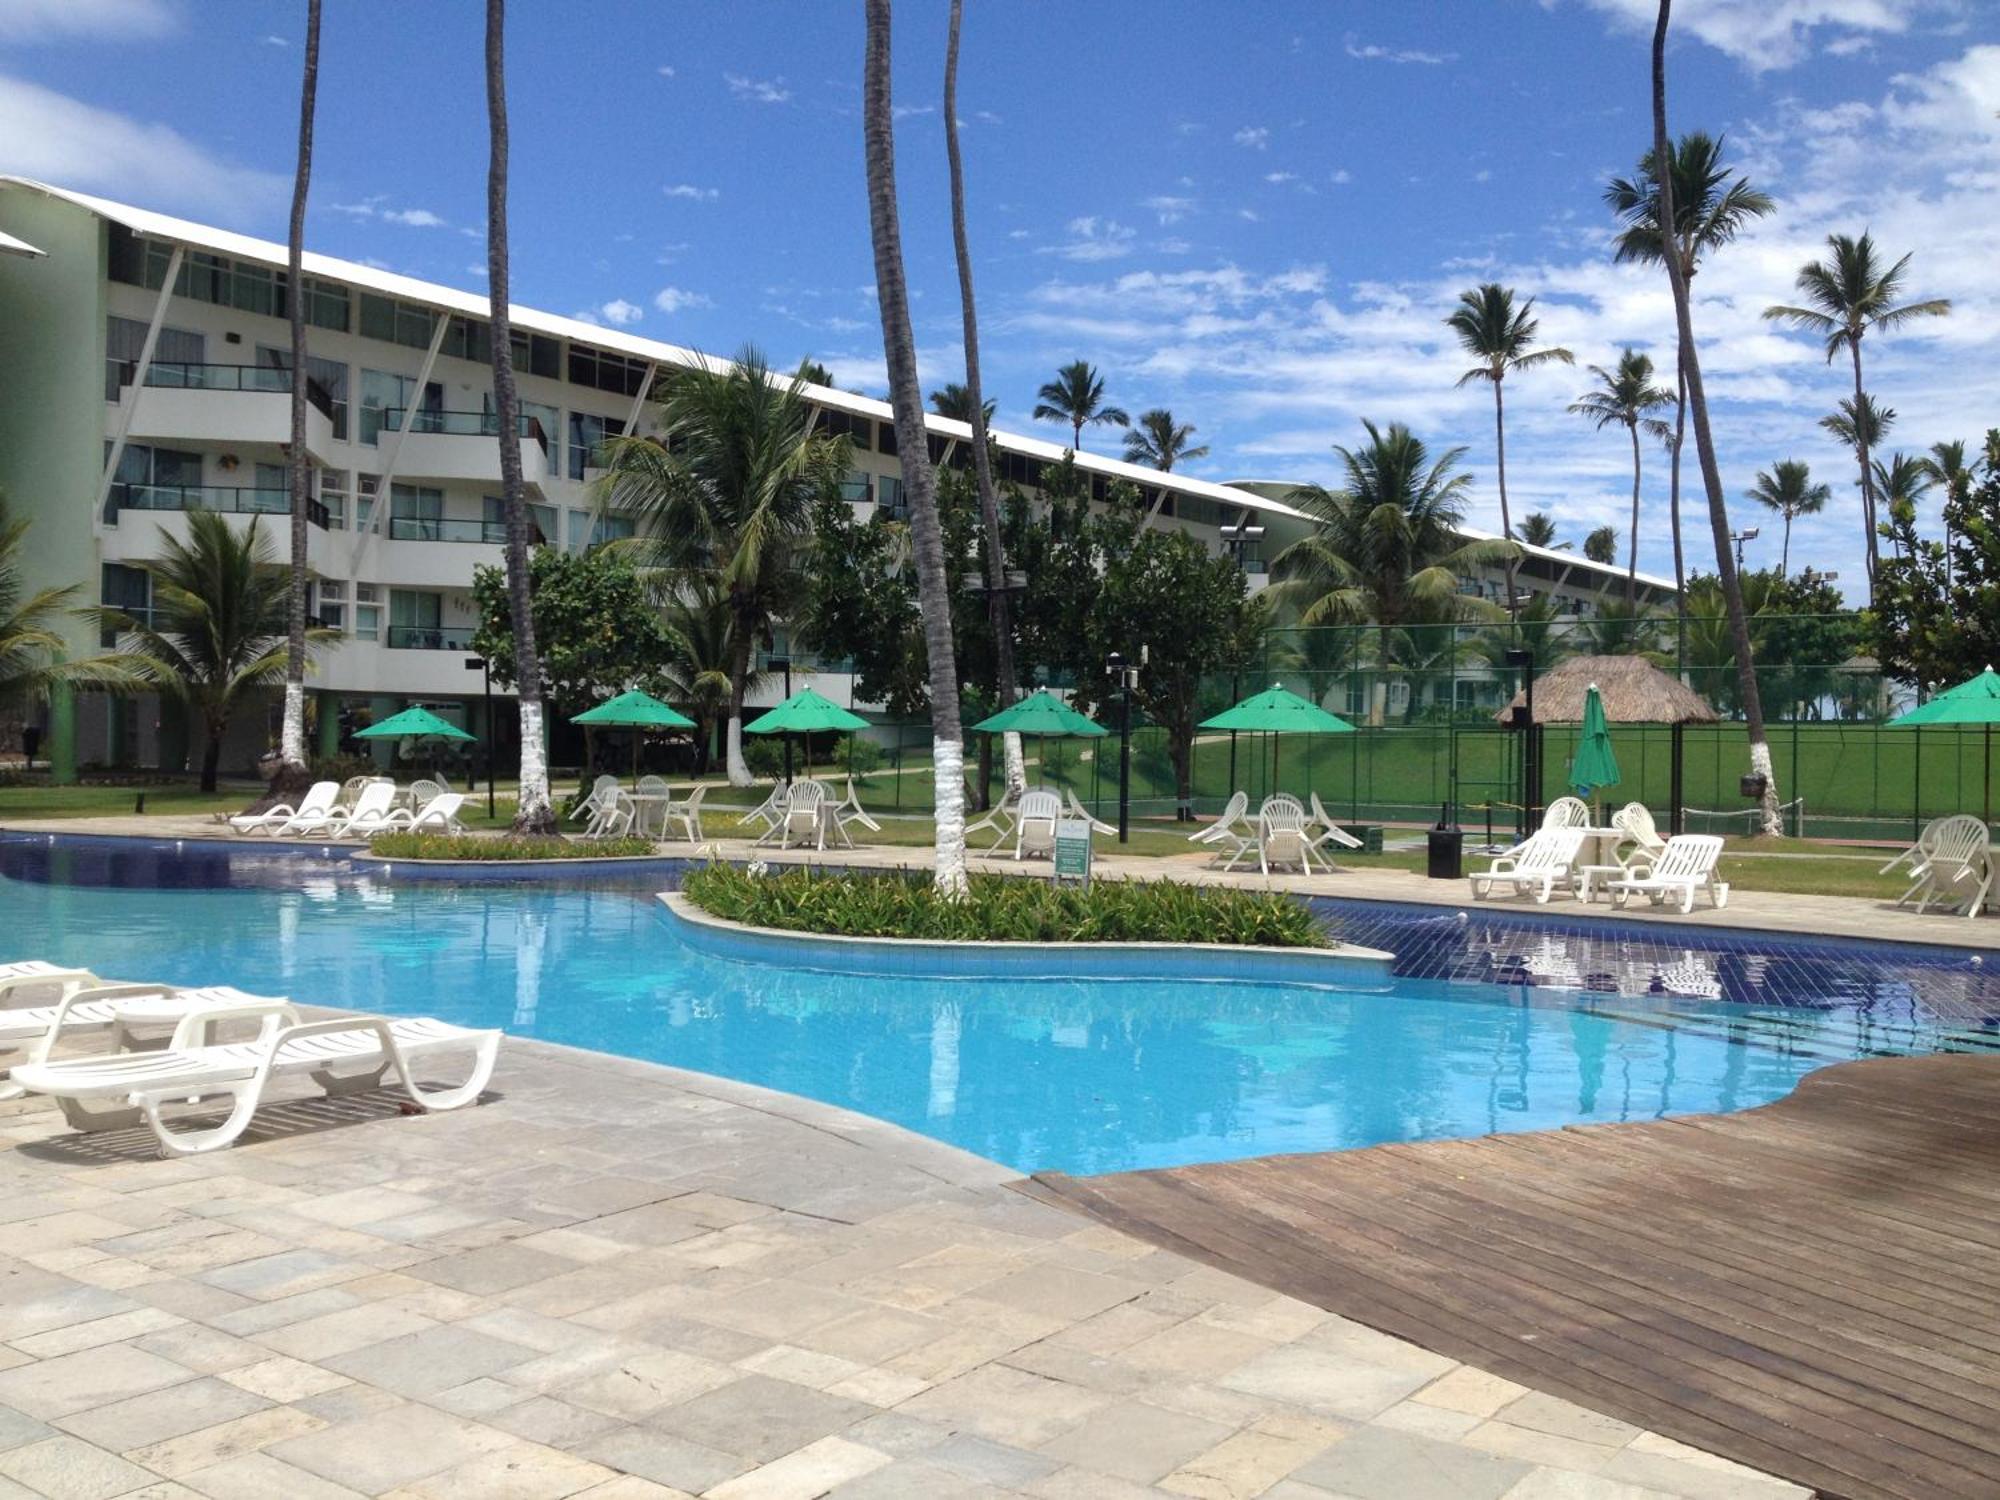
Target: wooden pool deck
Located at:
point(1812, 1287)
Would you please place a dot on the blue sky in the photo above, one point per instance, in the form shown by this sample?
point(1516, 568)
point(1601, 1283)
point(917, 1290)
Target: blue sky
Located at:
point(1256, 215)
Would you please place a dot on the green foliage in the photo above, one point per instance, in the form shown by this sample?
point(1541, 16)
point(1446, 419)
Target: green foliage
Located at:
point(1601, 546)
point(596, 629)
point(474, 847)
point(1937, 603)
point(999, 908)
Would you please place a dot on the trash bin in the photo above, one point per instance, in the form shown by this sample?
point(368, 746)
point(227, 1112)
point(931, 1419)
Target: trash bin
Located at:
point(1447, 849)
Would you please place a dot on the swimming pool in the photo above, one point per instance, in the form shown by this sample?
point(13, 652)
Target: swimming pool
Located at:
point(1495, 1022)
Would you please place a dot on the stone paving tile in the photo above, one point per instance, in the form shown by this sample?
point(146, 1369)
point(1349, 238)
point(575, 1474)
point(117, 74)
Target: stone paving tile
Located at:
point(631, 1283)
point(69, 1468)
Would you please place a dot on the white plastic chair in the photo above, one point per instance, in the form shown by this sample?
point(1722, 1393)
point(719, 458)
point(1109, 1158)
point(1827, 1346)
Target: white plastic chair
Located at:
point(1547, 860)
point(1949, 864)
point(1635, 822)
point(687, 814)
point(1566, 812)
point(1331, 832)
point(770, 812)
point(1035, 825)
point(652, 786)
point(1230, 836)
point(421, 794)
point(1685, 866)
point(805, 814)
point(1282, 834)
point(1078, 810)
point(999, 819)
point(849, 810)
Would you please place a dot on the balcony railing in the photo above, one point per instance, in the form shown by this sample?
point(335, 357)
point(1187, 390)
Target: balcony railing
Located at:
point(431, 637)
point(855, 491)
point(235, 501)
point(177, 375)
point(445, 529)
point(462, 424)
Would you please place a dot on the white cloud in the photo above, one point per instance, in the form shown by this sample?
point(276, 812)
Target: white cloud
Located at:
point(63, 20)
point(1482, 175)
point(665, 70)
point(1256, 137)
point(672, 299)
point(757, 90)
point(1170, 208)
point(987, 117)
point(618, 312)
point(1767, 34)
point(1250, 215)
point(1092, 238)
point(277, 41)
point(1018, 234)
point(1281, 177)
point(413, 218)
point(1340, 174)
point(690, 191)
point(1375, 52)
point(905, 111)
point(51, 136)
point(410, 218)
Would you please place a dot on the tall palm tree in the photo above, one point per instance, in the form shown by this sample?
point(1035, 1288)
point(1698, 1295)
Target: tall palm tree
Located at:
point(913, 452)
point(1385, 547)
point(1626, 396)
point(702, 627)
point(1710, 210)
point(533, 813)
point(1948, 468)
point(1858, 424)
point(1157, 441)
point(978, 412)
point(1848, 295)
point(1901, 483)
point(1538, 529)
point(292, 771)
point(1787, 487)
point(953, 400)
point(723, 498)
point(1704, 444)
point(218, 627)
point(1501, 337)
point(1076, 396)
point(1601, 544)
point(31, 646)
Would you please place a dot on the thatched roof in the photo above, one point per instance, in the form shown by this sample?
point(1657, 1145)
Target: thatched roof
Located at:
point(1633, 689)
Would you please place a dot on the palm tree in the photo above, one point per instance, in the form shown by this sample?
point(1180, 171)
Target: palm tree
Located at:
point(1538, 529)
point(1903, 481)
point(913, 452)
point(1157, 441)
point(978, 413)
point(1500, 336)
point(1704, 443)
point(218, 627)
point(31, 645)
point(1621, 628)
point(1847, 295)
point(953, 400)
point(1624, 396)
point(1948, 468)
point(1859, 423)
point(1076, 396)
point(1385, 548)
point(1710, 210)
point(1601, 545)
point(1787, 487)
point(292, 771)
point(724, 498)
point(532, 813)
point(702, 627)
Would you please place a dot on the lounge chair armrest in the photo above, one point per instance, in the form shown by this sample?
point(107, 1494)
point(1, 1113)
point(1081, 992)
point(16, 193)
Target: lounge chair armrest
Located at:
point(196, 1026)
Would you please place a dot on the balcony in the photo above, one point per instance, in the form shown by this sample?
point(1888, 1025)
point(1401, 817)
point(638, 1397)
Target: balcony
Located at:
point(224, 406)
point(463, 446)
point(230, 501)
point(447, 529)
point(430, 637)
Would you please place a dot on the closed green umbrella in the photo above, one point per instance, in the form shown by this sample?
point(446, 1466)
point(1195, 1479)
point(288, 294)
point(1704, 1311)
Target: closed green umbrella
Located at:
point(805, 712)
point(1594, 765)
point(1974, 701)
point(637, 712)
point(1276, 711)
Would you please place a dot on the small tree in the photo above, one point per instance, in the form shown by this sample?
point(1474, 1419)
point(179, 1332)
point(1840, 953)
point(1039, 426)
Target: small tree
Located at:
point(596, 630)
point(1937, 604)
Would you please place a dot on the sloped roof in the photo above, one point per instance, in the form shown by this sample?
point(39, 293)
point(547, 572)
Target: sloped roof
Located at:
point(1634, 691)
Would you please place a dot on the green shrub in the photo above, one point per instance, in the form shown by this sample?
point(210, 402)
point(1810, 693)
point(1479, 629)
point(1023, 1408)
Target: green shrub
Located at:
point(472, 846)
point(1000, 908)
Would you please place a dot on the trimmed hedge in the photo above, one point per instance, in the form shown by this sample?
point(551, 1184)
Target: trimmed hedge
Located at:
point(1000, 908)
point(474, 847)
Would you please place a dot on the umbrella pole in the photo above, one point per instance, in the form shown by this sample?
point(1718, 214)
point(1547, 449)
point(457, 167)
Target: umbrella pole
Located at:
point(1988, 789)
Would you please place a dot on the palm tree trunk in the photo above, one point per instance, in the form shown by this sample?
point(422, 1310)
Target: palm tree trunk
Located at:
point(292, 737)
point(1785, 553)
point(739, 679)
point(913, 453)
point(982, 461)
point(1506, 517)
point(1632, 547)
point(532, 814)
point(1076, 435)
point(1704, 442)
point(211, 752)
point(1674, 506)
point(1872, 554)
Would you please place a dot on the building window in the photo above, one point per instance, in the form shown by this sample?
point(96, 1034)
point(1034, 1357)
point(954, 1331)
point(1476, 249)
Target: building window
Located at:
point(330, 599)
point(587, 433)
point(367, 612)
point(885, 438)
point(128, 590)
point(542, 518)
point(175, 349)
point(604, 371)
point(589, 529)
point(329, 374)
point(416, 619)
point(257, 289)
point(382, 392)
point(537, 354)
point(857, 430)
point(366, 488)
point(326, 305)
point(533, 413)
point(416, 514)
point(397, 322)
point(465, 338)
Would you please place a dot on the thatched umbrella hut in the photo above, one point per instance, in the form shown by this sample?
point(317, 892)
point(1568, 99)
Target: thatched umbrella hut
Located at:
point(1633, 690)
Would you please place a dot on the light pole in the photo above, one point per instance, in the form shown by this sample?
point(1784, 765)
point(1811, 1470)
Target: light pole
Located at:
point(486, 682)
point(1523, 660)
point(1740, 537)
point(1126, 678)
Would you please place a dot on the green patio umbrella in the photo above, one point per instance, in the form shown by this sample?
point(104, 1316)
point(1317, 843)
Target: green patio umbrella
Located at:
point(637, 712)
point(1974, 701)
point(1042, 714)
point(1594, 765)
point(1274, 712)
point(805, 712)
point(413, 724)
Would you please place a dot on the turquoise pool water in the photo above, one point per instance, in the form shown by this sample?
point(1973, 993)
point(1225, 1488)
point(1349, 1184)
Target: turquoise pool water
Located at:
point(1075, 1075)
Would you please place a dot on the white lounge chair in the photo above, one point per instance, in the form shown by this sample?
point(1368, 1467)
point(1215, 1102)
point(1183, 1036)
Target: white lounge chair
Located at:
point(806, 814)
point(686, 813)
point(439, 815)
point(1541, 865)
point(319, 800)
point(1035, 824)
point(115, 1093)
point(1330, 831)
point(89, 1007)
point(374, 812)
point(33, 974)
point(1685, 866)
point(1949, 864)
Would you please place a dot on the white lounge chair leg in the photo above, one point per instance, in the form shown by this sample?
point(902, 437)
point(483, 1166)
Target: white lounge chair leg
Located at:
point(485, 1053)
point(195, 1142)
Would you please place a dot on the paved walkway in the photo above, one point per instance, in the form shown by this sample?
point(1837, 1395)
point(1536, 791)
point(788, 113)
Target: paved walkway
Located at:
point(621, 1281)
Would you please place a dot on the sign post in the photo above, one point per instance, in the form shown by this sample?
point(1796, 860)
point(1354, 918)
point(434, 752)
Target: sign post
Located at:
point(1072, 857)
